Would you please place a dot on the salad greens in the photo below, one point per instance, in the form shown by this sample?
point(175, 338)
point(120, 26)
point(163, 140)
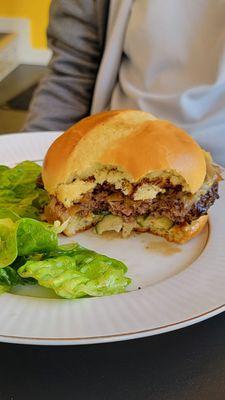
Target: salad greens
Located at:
point(73, 271)
point(19, 191)
point(29, 249)
point(24, 237)
point(9, 278)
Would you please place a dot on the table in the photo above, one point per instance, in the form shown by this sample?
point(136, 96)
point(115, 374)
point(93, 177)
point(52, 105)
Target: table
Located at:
point(188, 364)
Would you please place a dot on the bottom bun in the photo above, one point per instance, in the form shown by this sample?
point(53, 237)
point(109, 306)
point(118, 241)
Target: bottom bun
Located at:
point(182, 234)
point(161, 226)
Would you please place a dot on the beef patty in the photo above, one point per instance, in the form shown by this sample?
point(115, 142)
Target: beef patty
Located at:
point(176, 205)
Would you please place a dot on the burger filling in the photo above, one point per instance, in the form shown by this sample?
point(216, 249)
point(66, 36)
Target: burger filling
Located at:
point(109, 208)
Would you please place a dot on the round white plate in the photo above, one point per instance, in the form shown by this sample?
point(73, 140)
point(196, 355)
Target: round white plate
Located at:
point(173, 286)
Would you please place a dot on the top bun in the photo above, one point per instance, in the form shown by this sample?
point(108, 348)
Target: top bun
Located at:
point(133, 142)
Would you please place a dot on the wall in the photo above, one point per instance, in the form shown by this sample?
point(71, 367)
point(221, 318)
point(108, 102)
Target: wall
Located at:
point(36, 11)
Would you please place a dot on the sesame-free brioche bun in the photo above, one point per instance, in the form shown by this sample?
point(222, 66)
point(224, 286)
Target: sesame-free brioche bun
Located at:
point(182, 234)
point(179, 233)
point(130, 141)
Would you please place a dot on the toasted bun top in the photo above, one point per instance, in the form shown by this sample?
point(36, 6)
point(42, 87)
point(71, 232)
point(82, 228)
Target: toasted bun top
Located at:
point(134, 142)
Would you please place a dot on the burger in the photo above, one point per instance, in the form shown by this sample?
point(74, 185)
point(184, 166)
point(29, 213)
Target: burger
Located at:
point(128, 171)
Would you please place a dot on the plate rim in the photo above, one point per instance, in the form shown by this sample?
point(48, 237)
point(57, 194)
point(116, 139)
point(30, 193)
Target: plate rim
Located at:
point(116, 337)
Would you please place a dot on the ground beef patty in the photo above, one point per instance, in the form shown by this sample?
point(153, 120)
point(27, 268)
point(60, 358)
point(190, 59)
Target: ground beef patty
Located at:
point(174, 204)
point(180, 208)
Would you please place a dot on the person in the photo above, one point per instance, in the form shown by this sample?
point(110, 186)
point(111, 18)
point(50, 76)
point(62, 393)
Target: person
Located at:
point(167, 58)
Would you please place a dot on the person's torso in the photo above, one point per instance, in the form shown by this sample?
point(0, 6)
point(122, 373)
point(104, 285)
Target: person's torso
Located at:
point(172, 61)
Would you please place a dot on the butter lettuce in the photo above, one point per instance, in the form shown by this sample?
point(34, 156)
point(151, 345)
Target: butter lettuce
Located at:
point(19, 191)
point(35, 237)
point(6, 213)
point(24, 237)
point(19, 239)
point(73, 271)
point(8, 242)
point(29, 252)
point(4, 288)
point(9, 278)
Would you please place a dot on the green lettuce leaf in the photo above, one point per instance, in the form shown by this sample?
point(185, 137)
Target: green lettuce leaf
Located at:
point(9, 278)
point(8, 242)
point(35, 237)
point(19, 191)
point(73, 271)
point(24, 237)
point(6, 213)
point(4, 288)
point(3, 168)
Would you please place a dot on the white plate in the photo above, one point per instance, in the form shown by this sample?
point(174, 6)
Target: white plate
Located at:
point(180, 285)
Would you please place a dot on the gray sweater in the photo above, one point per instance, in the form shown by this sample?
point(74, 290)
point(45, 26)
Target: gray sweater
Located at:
point(76, 35)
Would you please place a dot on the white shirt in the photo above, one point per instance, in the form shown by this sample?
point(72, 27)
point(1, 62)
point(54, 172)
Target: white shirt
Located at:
point(168, 58)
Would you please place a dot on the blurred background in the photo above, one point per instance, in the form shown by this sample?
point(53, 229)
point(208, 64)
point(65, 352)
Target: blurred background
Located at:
point(23, 57)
